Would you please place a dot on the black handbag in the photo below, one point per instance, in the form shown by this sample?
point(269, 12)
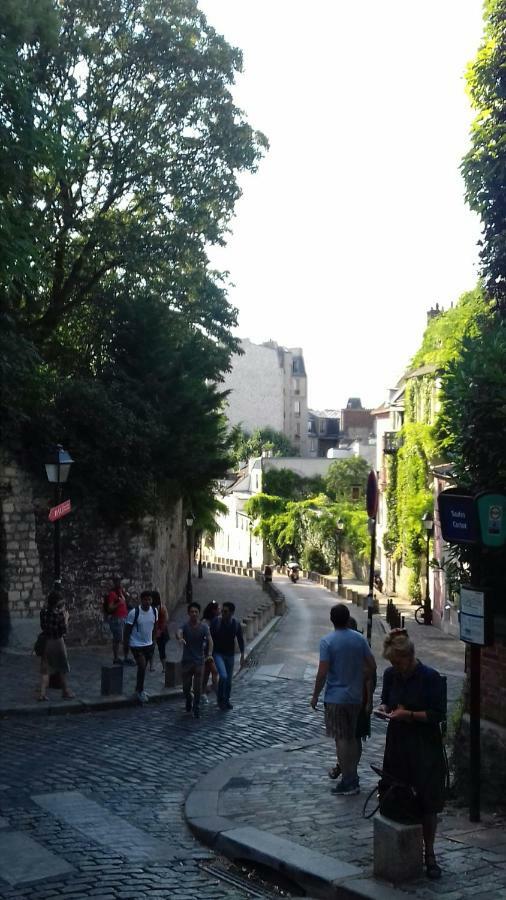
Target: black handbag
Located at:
point(396, 800)
point(40, 645)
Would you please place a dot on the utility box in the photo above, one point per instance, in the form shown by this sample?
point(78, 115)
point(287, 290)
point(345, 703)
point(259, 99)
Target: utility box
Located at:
point(112, 680)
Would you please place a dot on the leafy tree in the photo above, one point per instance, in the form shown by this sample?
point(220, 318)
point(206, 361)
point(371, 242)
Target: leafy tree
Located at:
point(314, 560)
point(120, 148)
point(344, 475)
point(444, 334)
point(246, 446)
point(285, 483)
point(484, 166)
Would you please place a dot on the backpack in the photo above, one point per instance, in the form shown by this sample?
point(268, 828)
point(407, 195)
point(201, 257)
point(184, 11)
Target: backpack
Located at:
point(105, 606)
point(136, 616)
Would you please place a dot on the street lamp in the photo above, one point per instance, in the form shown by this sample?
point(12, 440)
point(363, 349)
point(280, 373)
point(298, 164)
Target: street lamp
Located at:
point(189, 586)
point(199, 567)
point(58, 463)
point(339, 539)
point(428, 524)
point(250, 560)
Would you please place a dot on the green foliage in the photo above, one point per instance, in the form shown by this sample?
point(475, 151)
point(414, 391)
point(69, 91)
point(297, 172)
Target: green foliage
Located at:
point(414, 497)
point(444, 334)
point(391, 541)
point(473, 409)
point(120, 150)
point(484, 166)
point(247, 446)
point(345, 474)
point(285, 483)
point(314, 561)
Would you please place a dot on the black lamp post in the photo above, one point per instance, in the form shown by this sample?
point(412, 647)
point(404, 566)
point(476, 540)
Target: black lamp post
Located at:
point(428, 524)
point(58, 463)
point(250, 560)
point(189, 586)
point(339, 537)
point(199, 567)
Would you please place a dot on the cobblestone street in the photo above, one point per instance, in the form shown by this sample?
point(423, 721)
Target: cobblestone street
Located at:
point(96, 800)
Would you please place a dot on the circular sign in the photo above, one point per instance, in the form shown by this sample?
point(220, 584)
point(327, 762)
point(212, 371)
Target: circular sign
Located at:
point(372, 497)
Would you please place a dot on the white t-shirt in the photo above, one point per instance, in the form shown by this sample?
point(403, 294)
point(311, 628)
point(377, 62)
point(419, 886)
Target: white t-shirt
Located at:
point(142, 632)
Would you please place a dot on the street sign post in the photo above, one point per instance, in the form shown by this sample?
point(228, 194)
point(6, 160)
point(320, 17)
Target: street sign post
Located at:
point(57, 512)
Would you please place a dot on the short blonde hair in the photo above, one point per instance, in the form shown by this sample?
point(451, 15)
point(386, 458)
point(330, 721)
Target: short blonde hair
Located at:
point(398, 643)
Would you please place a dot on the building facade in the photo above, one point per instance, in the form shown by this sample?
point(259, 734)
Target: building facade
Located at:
point(268, 388)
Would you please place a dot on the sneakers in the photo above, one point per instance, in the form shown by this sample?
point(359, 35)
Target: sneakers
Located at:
point(346, 788)
point(127, 662)
point(142, 697)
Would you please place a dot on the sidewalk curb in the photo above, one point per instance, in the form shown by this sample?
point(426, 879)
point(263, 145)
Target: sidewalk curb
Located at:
point(116, 701)
point(321, 875)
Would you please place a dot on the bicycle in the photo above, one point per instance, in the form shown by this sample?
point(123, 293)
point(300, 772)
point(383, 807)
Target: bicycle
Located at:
point(420, 615)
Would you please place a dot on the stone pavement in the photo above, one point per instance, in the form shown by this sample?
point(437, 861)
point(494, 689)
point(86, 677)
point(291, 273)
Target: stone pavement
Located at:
point(285, 796)
point(19, 672)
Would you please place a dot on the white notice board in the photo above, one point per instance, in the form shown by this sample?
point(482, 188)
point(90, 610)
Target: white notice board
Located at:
point(472, 616)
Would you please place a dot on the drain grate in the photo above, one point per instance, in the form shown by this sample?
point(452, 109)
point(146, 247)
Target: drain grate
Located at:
point(252, 885)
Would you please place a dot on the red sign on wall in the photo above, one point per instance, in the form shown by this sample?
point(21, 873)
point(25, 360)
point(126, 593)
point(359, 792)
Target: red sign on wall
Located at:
point(57, 512)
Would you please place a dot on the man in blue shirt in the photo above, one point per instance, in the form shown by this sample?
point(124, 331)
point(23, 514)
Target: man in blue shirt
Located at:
point(346, 663)
point(224, 632)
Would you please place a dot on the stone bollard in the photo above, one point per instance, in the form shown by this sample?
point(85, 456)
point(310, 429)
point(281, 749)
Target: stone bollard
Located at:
point(173, 676)
point(254, 623)
point(247, 625)
point(111, 680)
point(349, 594)
point(398, 850)
point(279, 605)
point(363, 601)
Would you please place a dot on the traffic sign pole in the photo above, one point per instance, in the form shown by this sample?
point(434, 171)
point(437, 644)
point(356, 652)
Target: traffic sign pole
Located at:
point(372, 511)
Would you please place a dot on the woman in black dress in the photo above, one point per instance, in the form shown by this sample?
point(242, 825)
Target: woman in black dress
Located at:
point(412, 698)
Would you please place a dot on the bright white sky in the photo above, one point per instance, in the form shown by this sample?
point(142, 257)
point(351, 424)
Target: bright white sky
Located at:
point(355, 223)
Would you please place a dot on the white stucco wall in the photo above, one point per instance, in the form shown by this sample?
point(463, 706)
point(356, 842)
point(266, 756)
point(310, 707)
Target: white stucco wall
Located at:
point(256, 385)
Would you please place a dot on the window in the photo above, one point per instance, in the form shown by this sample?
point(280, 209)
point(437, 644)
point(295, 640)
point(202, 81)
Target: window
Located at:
point(312, 444)
point(297, 429)
point(296, 386)
point(296, 407)
point(322, 426)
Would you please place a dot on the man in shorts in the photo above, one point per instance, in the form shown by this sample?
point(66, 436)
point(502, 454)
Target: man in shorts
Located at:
point(197, 645)
point(117, 611)
point(139, 635)
point(345, 662)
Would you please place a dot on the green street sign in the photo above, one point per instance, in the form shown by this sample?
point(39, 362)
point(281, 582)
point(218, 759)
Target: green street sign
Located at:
point(492, 518)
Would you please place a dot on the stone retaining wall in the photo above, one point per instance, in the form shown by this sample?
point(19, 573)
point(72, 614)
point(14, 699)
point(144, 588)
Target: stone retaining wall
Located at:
point(152, 555)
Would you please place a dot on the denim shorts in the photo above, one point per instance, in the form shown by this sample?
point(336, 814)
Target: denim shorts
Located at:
point(116, 625)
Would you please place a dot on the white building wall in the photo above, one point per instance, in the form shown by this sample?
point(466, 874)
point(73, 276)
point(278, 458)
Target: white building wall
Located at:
point(256, 385)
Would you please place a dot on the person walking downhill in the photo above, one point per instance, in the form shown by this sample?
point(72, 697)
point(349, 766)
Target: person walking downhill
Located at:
point(345, 658)
point(54, 660)
point(117, 612)
point(197, 643)
point(225, 630)
point(161, 629)
point(139, 636)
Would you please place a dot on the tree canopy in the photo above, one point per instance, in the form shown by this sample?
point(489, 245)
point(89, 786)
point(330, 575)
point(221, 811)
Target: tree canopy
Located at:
point(120, 147)
point(484, 166)
point(246, 446)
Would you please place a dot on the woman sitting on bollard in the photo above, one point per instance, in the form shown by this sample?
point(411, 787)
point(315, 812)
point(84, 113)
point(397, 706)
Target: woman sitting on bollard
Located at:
point(412, 701)
point(54, 660)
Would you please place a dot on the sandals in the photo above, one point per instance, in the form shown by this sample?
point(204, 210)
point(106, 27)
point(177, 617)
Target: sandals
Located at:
point(431, 867)
point(334, 772)
point(42, 697)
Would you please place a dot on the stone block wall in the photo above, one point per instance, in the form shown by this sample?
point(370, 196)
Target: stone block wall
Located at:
point(153, 555)
point(493, 682)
